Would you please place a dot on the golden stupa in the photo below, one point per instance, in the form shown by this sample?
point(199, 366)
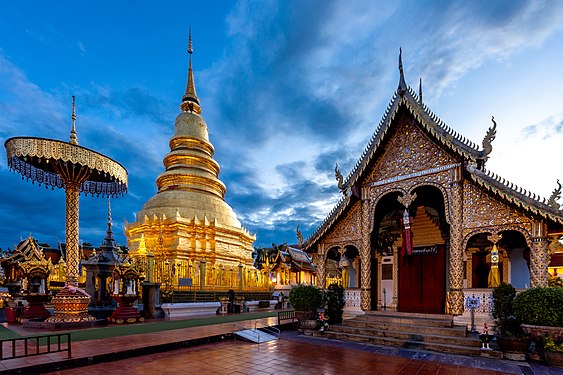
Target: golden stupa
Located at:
point(194, 235)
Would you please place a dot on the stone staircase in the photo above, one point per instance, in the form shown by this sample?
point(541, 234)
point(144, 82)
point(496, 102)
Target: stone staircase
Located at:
point(416, 331)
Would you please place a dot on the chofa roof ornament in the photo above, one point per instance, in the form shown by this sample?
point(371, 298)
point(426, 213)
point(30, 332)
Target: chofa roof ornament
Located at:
point(487, 143)
point(339, 178)
point(555, 196)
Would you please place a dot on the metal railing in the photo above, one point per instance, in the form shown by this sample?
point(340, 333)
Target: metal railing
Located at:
point(285, 315)
point(268, 329)
point(33, 345)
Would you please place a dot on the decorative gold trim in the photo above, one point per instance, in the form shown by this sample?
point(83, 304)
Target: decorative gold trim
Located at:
point(35, 159)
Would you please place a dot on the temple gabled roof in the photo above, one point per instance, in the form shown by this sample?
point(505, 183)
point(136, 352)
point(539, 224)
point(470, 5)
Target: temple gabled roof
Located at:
point(474, 161)
point(295, 259)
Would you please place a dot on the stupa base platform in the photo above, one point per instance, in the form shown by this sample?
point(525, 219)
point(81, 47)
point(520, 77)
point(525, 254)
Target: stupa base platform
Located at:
point(71, 308)
point(126, 312)
point(35, 308)
point(126, 315)
point(43, 324)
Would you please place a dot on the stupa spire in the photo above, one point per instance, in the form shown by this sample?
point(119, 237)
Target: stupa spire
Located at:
point(402, 89)
point(190, 101)
point(109, 241)
point(73, 137)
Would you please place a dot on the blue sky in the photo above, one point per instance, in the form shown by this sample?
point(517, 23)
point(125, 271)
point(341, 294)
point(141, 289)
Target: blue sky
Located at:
point(288, 88)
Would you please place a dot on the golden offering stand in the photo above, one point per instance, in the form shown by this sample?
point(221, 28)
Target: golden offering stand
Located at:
point(78, 170)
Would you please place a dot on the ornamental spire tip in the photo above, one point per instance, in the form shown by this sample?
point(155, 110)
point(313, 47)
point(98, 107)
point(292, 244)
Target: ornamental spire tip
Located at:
point(420, 92)
point(402, 89)
point(190, 101)
point(73, 137)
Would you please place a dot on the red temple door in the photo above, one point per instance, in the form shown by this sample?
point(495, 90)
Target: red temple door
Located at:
point(422, 280)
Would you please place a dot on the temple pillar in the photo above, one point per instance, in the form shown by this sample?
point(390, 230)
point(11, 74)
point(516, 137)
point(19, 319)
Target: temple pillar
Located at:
point(539, 255)
point(454, 304)
point(91, 285)
point(321, 265)
point(365, 253)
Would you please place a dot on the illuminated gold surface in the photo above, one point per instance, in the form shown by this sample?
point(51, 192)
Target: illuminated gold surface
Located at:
point(189, 227)
point(71, 306)
point(76, 169)
point(48, 149)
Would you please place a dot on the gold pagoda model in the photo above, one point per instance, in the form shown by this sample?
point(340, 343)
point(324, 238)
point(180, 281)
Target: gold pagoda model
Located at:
point(192, 233)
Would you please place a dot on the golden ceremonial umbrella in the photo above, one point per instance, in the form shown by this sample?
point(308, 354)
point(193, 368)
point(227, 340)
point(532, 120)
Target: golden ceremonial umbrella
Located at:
point(78, 170)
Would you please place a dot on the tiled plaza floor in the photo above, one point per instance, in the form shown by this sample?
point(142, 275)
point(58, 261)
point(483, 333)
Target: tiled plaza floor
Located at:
point(181, 352)
point(292, 355)
point(275, 357)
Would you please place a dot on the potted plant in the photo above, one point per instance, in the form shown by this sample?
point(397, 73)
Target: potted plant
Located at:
point(305, 299)
point(334, 302)
point(540, 310)
point(510, 337)
point(553, 351)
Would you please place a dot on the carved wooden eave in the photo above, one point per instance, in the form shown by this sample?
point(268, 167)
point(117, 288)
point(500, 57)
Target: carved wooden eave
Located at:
point(516, 195)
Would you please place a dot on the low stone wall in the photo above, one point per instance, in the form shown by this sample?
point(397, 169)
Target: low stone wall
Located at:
point(352, 307)
point(188, 310)
point(483, 314)
point(252, 306)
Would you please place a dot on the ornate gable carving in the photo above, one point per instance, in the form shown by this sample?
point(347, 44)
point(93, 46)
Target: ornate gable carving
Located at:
point(348, 229)
point(409, 150)
point(481, 210)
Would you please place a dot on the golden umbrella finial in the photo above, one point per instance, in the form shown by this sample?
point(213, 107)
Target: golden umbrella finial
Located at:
point(190, 101)
point(190, 47)
point(73, 137)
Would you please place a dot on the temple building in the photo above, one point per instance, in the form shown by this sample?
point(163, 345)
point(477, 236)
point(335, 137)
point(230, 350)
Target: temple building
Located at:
point(423, 223)
point(286, 266)
point(194, 235)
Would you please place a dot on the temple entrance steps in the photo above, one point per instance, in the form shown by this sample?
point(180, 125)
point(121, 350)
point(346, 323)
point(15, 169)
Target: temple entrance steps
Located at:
point(410, 330)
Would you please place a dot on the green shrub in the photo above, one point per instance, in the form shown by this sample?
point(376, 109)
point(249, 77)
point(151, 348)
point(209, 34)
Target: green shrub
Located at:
point(550, 344)
point(542, 306)
point(555, 281)
point(305, 297)
point(503, 299)
point(334, 301)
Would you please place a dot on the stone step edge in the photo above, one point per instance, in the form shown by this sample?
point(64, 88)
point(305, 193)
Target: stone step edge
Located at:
point(409, 315)
point(398, 327)
point(403, 320)
point(409, 344)
point(432, 337)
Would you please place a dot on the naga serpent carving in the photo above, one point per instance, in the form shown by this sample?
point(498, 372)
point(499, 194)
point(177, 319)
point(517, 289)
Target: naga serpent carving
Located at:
point(339, 177)
point(489, 138)
point(552, 202)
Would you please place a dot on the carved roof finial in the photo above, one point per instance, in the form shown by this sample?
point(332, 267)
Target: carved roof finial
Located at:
point(73, 137)
point(488, 139)
point(190, 101)
point(552, 202)
point(402, 89)
point(299, 236)
point(338, 176)
point(420, 91)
